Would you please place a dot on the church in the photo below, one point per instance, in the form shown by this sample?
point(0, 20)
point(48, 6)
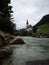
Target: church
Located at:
point(28, 27)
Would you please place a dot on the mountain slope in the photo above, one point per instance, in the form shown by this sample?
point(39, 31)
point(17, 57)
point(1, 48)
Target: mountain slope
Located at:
point(44, 20)
point(43, 25)
point(43, 28)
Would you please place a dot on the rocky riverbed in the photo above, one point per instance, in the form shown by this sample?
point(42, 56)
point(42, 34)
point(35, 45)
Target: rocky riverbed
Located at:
point(38, 62)
point(30, 51)
point(41, 35)
point(5, 53)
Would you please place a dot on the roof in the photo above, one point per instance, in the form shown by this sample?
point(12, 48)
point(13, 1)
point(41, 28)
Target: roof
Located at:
point(30, 26)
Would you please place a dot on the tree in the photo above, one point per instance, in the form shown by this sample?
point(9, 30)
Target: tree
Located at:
point(34, 29)
point(6, 23)
point(23, 32)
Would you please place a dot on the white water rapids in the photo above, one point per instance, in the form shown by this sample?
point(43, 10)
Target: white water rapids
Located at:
point(34, 49)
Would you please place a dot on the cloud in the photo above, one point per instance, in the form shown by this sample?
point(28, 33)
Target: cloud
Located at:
point(33, 10)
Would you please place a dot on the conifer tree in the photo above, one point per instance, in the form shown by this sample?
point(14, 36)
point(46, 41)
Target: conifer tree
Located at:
point(6, 23)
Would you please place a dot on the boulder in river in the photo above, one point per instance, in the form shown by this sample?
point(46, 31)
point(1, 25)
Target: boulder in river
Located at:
point(17, 41)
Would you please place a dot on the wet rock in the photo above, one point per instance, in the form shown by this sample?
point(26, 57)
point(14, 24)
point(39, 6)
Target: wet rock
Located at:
point(5, 52)
point(45, 35)
point(42, 35)
point(38, 62)
point(2, 40)
point(17, 41)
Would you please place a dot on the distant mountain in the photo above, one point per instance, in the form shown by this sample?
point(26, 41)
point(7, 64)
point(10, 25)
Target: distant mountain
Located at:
point(44, 20)
point(42, 26)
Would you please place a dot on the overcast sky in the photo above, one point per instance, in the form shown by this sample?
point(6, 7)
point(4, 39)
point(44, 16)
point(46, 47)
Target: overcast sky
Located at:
point(33, 10)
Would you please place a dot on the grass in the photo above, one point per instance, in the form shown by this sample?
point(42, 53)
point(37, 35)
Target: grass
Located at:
point(43, 28)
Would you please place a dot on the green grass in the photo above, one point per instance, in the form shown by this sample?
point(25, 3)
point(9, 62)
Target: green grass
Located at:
point(43, 28)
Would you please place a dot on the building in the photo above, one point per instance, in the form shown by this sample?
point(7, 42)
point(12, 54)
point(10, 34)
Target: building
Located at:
point(28, 27)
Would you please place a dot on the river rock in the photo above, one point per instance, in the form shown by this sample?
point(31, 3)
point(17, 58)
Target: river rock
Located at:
point(38, 62)
point(45, 35)
point(2, 40)
point(42, 35)
point(5, 52)
point(18, 41)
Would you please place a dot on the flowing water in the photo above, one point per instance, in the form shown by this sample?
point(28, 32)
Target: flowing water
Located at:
point(34, 49)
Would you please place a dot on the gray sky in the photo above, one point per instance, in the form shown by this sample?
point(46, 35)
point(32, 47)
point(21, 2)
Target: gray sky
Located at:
point(33, 10)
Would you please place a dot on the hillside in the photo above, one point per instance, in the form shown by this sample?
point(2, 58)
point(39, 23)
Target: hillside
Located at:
point(44, 20)
point(43, 28)
point(43, 25)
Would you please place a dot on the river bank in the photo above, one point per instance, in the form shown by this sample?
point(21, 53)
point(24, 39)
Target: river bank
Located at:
point(5, 41)
point(33, 62)
point(5, 53)
point(35, 51)
point(38, 62)
point(41, 35)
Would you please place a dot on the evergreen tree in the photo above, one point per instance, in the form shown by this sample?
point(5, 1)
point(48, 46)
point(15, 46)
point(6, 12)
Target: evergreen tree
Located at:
point(6, 23)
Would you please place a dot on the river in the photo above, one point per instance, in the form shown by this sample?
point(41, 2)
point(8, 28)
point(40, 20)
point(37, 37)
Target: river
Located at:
point(34, 49)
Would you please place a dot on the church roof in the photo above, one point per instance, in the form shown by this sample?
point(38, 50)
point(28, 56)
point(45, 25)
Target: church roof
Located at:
point(30, 26)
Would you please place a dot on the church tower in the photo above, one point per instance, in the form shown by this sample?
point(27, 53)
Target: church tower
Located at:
point(27, 24)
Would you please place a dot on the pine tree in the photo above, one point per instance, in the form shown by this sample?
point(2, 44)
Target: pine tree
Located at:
point(6, 23)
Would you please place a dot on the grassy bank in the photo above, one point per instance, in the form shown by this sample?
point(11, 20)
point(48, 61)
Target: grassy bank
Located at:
point(42, 31)
point(43, 28)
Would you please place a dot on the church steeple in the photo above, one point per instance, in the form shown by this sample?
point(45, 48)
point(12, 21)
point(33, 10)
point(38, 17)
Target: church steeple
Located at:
point(27, 24)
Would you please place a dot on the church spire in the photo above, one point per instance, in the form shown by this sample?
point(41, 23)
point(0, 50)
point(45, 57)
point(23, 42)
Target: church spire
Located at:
point(27, 23)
